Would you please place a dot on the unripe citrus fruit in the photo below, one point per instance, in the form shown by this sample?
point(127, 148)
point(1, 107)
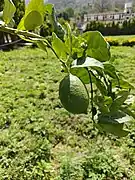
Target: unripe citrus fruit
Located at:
point(73, 95)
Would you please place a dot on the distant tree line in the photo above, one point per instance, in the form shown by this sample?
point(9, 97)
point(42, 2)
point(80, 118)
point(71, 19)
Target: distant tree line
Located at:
point(112, 28)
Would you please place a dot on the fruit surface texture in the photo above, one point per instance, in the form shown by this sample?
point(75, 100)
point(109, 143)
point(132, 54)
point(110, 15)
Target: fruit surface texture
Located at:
point(73, 95)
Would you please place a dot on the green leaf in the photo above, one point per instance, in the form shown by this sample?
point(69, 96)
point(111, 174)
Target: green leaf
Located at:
point(115, 129)
point(34, 15)
point(55, 25)
point(108, 100)
point(100, 85)
point(118, 117)
point(12, 23)
point(49, 8)
point(59, 30)
point(59, 47)
point(119, 100)
point(114, 123)
point(102, 103)
point(110, 70)
point(9, 10)
point(81, 73)
point(68, 38)
point(97, 48)
point(77, 48)
point(32, 20)
point(122, 84)
point(87, 62)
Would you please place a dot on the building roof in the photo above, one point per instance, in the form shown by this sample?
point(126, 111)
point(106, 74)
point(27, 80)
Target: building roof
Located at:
point(128, 5)
point(105, 13)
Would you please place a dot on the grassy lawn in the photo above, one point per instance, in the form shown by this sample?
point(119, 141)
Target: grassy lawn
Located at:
point(124, 60)
point(39, 140)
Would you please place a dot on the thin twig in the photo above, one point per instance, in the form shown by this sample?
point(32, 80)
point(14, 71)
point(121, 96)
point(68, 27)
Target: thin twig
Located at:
point(19, 32)
point(11, 43)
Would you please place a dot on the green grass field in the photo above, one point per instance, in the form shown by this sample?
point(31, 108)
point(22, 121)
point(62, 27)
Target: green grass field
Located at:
point(124, 60)
point(39, 140)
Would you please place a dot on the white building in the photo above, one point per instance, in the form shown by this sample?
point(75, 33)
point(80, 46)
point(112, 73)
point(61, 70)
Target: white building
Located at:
point(112, 16)
point(128, 7)
point(108, 17)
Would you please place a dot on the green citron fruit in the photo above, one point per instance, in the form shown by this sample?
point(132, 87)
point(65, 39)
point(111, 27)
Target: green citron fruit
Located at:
point(74, 95)
point(32, 20)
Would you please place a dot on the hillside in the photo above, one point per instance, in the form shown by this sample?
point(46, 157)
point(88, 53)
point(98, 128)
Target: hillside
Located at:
point(62, 4)
point(83, 4)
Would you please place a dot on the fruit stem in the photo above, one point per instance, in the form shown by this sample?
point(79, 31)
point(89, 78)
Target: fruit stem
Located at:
point(92, 96)
point(63, 63)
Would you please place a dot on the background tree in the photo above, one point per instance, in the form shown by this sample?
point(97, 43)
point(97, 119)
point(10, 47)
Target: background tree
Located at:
point(1, 4)
point(70, 12)
point(20, 8)
point(103, 5)
point(119, 5)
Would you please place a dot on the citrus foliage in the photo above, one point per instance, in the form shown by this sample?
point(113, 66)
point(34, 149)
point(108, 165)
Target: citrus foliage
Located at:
point(20, 8)
point(28, 22)
point(87, 56)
